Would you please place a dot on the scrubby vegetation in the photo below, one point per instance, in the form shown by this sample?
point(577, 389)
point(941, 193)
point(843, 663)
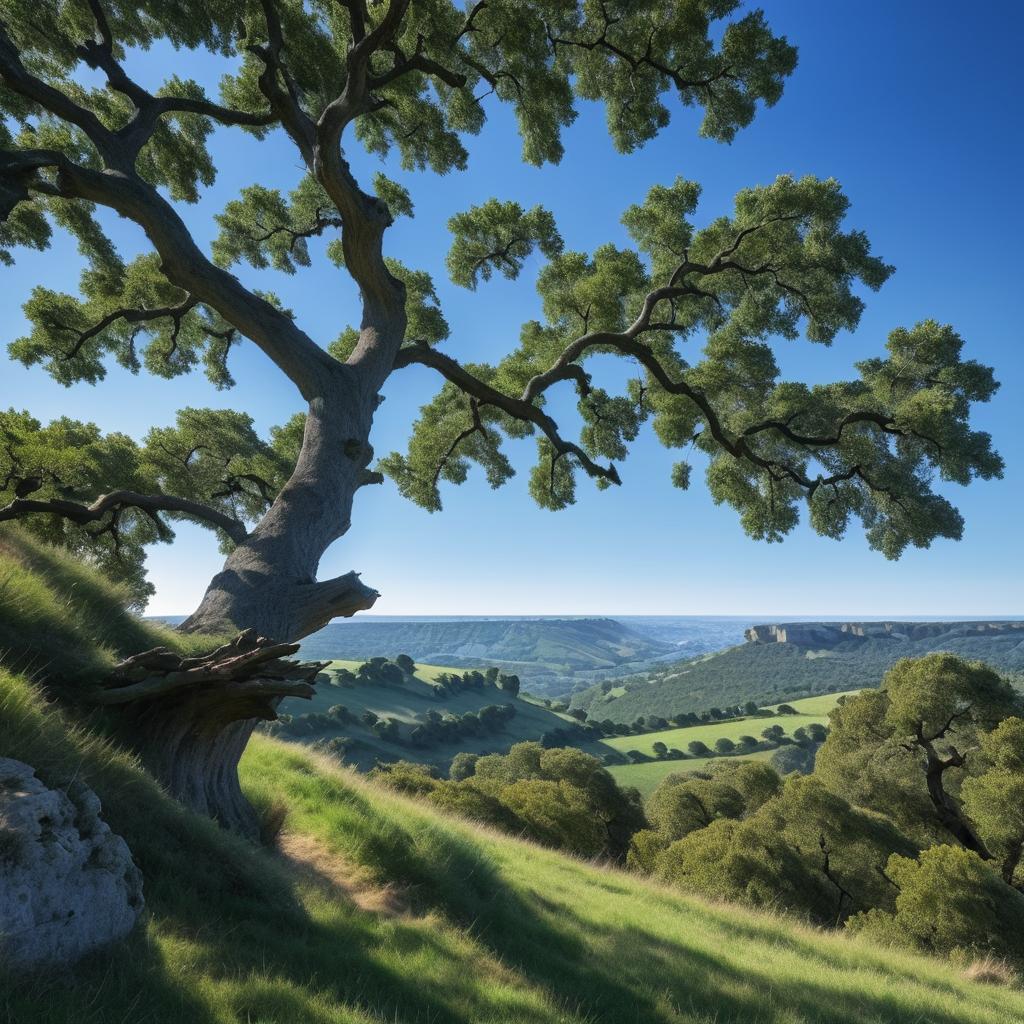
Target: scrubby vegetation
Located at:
point(561, 797)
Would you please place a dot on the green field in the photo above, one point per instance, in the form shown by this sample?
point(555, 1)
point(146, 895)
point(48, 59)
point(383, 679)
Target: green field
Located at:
point(710, 732)
point(646, 777)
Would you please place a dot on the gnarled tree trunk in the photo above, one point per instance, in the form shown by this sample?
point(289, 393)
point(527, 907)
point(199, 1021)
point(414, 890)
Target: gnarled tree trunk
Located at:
point(268, 582)
point(189, 719)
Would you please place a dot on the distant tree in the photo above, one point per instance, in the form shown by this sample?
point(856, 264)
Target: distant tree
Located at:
point(492, 718)
point(774, 733)
point(387, 729)
point(343, 677)
point(698, 748)
point(406, 664)
point(369, 718)
point(579, 714)
point(419, 736)
point(716, 713)
point(785, 709)
point(340, 712)
point(637, 756)
point(750, 708)
point(724, 745)
point(407, 777)
point(817, 732)
point(746, 742)
point(800, 735)
point(491, 676)
point(661, 749)
point(509, 683)
point(793, 758)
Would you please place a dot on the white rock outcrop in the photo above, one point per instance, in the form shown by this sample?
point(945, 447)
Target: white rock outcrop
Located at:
point(68, 885)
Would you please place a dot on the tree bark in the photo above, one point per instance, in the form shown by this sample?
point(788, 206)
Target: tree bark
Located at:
point(189, 719)
point(268, 582)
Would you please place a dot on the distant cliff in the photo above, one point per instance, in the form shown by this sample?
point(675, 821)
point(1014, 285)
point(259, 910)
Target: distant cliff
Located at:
point(826, 635)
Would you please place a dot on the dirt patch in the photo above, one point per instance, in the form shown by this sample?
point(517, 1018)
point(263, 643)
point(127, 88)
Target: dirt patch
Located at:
point(317, 863)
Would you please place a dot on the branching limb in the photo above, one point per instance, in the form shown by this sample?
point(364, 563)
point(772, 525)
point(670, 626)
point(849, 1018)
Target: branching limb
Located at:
point(516, 407)
point(118, 501)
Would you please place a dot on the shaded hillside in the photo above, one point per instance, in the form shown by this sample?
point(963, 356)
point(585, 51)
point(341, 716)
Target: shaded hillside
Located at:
point(825, 658)
point(415, 704)
point(550, 655)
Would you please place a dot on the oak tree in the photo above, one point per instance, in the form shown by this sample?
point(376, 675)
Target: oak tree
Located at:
point(691, 310)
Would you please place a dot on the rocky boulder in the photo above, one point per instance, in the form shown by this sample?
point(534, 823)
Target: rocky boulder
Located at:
point(68, 885)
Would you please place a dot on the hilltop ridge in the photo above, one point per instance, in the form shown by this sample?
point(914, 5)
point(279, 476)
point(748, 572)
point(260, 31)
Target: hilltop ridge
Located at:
point(829, 634)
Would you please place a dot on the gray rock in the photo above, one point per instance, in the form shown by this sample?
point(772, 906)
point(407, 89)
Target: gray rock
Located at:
point(68, 885)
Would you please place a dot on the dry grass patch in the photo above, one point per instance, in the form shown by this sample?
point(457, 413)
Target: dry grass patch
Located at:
point(990, 970)
point(315, 862)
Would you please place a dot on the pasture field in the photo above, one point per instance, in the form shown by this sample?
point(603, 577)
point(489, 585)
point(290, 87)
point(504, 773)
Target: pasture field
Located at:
point(646, 776)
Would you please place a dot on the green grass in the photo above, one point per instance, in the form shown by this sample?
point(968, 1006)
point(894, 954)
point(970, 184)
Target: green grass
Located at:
point(62, 621)
point(821, 704)
point(646, 776)
point(811, 710)
point(708, 733)
point(480, 928)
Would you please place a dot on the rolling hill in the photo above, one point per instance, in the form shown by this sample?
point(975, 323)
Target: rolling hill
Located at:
point(549, 655)
point(794, 660)
point(409, 702)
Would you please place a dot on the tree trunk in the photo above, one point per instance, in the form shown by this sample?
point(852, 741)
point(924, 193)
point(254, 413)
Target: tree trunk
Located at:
point(268, 582)
point(189, 719)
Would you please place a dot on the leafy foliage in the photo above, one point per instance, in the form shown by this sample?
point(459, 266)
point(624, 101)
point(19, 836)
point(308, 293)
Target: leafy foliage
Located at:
point(80, 137)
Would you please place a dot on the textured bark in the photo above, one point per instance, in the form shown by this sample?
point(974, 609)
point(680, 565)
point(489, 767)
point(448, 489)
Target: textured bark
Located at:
point(268, 582)
point(190, 719)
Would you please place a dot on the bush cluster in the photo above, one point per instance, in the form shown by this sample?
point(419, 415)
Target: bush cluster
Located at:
point(560, 797)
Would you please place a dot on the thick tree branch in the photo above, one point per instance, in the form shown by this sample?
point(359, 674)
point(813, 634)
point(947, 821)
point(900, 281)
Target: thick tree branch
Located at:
point(119, 501)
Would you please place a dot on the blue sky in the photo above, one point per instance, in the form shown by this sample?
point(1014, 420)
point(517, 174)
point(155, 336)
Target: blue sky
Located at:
point(910, 105)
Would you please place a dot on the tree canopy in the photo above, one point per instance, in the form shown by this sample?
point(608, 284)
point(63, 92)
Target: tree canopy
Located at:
point(691, 308)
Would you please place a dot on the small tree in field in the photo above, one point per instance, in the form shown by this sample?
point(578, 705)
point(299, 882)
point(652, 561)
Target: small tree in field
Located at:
point(689, 311)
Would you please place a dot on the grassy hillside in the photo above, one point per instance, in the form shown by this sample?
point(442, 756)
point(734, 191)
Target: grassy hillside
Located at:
point(62, 621)
point(408, 703)
point(768, 673)
point(379, 909)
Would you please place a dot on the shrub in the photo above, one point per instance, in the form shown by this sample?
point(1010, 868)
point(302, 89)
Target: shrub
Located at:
point(463, 766)
point(406, 777)
point(793, 758)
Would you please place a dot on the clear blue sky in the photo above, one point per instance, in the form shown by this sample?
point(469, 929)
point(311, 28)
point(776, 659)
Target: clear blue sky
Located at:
point(912, 106)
